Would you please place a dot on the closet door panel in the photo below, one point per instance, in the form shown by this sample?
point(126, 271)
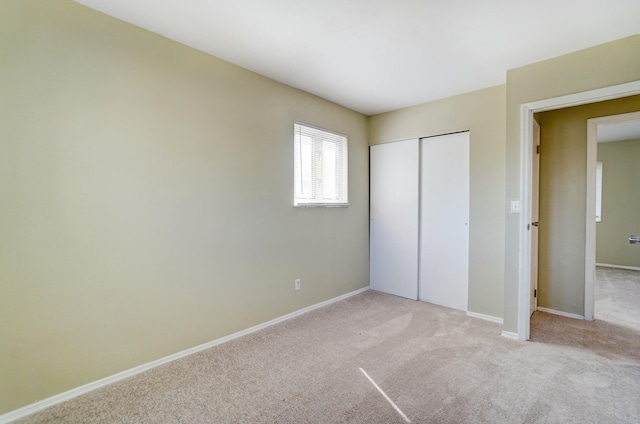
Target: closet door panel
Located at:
point(394, 214)
point(444, 220)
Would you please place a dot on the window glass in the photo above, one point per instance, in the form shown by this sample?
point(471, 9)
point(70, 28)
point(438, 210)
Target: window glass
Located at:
point(320, 167)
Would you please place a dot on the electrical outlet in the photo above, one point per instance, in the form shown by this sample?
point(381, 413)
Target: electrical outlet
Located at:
point(296, 284)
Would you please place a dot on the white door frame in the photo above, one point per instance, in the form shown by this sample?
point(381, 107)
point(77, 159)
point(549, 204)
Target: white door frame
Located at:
point(535, 181)
point(526, 145)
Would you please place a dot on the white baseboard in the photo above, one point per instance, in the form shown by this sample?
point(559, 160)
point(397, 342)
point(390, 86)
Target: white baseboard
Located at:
point(485, 317)
point(632, 268)
point(561, 313)
point(510, 335)
point(70, 394)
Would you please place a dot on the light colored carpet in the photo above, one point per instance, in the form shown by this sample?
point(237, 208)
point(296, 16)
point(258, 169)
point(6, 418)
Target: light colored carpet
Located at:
point(436, 364)
point(617, 297)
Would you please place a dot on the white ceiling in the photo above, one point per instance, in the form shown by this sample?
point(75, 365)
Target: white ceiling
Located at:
point(621, 131)
point(374, 56)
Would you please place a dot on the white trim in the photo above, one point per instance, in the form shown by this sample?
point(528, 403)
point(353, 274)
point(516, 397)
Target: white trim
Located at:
point(590, 224)
point(526, 140)
point(632, 268)
point(561, 313)
point(510, 335)
point(70, 394)
point(526, 189)
point(485, 317)
point(598, 95)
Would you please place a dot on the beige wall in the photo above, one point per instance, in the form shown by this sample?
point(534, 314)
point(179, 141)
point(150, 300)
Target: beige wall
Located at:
point(147, 192)
point(482, 112)
point(147, 200)
point(620, 203)
point(563, 188)
point(597, 67)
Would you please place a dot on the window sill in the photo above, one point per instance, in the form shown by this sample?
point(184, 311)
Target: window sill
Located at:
point(322, 205)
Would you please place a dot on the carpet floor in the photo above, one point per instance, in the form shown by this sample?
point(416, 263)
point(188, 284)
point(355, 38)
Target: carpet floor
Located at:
point(435, 364)
point(617, 296)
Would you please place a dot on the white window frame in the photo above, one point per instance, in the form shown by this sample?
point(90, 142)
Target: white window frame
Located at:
point(318, 152)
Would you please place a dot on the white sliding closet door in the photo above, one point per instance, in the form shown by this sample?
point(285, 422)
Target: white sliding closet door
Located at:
point(394, 218)
point(444, 220)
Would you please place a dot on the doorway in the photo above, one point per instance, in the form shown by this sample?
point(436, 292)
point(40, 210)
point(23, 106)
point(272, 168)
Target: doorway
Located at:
point(564, 185)
point(617, 260)
point(526, 177)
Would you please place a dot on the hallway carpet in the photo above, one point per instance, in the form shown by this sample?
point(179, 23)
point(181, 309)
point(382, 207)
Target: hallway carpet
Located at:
point(617, 296)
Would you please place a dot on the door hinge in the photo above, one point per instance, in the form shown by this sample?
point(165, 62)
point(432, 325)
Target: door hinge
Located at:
point(535, 292)
point(538, 149)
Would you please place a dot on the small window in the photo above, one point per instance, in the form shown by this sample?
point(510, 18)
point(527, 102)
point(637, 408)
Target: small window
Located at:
point(320, 167)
